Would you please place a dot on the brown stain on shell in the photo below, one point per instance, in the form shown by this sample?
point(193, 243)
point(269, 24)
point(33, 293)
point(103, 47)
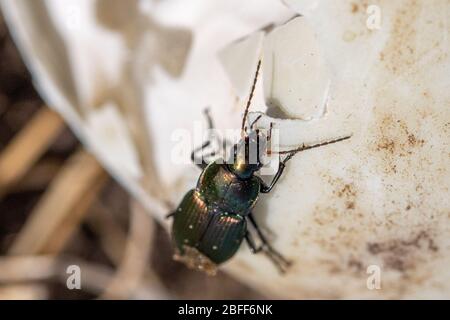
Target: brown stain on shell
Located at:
point(402, 53)
point(399, 52)
point(399, 233)
point(395, 143)
point(403, 254)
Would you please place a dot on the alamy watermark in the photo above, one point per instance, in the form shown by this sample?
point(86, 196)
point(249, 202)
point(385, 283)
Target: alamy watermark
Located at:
point(74, 279)
point(227, 146)
point(373, 21)
point(374, 279)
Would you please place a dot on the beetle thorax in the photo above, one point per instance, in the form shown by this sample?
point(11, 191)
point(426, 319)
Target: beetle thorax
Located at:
point(222, 188)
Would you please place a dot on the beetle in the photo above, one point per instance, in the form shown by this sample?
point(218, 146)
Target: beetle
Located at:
point(212, 219)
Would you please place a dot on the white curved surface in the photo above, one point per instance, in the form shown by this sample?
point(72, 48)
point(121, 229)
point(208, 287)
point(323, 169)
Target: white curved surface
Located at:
point(381, 198)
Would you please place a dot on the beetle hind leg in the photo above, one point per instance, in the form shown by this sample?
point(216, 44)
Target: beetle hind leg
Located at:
point(277, 258)
point(280, 262)
point(170, 215)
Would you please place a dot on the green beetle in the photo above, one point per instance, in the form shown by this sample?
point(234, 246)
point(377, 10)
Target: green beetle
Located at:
point(211, 221)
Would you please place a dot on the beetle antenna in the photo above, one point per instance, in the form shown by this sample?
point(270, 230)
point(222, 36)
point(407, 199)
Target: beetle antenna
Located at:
point(244, 119)
point(311, 146)
point(255, 121)
point(269, 139)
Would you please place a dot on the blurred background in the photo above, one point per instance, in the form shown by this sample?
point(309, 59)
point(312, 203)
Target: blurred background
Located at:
point(58, 207)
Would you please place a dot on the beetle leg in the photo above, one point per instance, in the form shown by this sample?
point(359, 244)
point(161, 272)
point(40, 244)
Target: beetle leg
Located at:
point(265, 241)
point(267, 188)
point(254, 249)
point(170, 215)
point(222, 143)
point(280, 262)
point(200, 161)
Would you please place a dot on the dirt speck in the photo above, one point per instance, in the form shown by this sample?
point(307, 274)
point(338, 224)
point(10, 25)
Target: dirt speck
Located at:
point(401, 254)
point(346, 191)
point(386, 144)
point(413, 141)
point(349, 36)
point(355, 265)
point(395, 141)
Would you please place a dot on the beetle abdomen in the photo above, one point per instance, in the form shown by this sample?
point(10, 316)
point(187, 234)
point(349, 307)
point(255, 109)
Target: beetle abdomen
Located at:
point(223, 237)
point(211, 231)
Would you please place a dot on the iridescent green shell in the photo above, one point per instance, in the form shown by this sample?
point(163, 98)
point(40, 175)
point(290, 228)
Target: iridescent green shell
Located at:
point(211, 218)
point(213, 232)
point(219, 187)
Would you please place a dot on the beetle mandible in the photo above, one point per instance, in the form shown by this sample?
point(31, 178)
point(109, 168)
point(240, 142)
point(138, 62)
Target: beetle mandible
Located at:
point(210, 223)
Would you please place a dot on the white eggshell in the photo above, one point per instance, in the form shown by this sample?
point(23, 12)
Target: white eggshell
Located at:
point(374, 207)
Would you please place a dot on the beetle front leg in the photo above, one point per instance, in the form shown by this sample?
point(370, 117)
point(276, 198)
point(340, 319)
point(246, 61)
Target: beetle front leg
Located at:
point(267, 188)
point(277, 258)
point(200, 161)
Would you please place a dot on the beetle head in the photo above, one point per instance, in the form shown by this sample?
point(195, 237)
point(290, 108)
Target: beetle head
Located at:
point(248, 155)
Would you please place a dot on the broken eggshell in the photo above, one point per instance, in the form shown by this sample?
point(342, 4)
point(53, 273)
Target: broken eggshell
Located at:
point(378, 202)
point(296, 78)
point(368, 217)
